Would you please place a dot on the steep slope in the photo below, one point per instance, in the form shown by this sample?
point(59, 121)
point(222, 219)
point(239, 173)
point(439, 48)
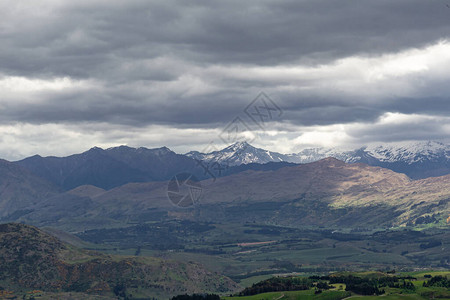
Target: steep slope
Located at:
point(320, 180)
point(159, 164)
point(32, 259)
point(325, 191)
point(93, 167)
point(88, 207)
point(86, 191)
point(328, 191)
point(59, 209)
point(20, 189)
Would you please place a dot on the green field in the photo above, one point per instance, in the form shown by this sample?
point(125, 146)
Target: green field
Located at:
point(390, 293)
point(327, 295)
point(389, 297)
point(306, 251)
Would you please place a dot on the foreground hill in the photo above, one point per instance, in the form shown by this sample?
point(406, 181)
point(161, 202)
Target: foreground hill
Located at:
point(31, 259)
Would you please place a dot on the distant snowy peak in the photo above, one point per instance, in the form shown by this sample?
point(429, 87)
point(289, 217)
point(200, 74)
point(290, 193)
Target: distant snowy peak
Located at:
point(314, 154)
point(411, 152)
point(244, 153)
point(238, 154)
point(406, 153)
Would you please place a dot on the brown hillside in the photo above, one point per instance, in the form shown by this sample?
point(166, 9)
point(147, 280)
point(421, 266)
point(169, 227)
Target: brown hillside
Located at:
point(33, 259)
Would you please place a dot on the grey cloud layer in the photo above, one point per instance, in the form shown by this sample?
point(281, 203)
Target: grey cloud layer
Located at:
point(186, 64)
point(86, 39)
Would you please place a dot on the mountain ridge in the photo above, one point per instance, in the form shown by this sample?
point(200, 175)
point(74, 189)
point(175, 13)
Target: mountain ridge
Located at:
point(116, 166)
point(19, 188)
point(108, 168)
point(416, 159)
point(328, 185)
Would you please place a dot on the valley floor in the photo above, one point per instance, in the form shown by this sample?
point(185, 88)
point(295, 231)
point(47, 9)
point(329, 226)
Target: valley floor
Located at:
point(250, 252)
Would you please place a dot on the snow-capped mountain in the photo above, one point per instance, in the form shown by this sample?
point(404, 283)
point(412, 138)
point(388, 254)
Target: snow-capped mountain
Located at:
point(244, 153)
point(411, 152)
point(314, 154)
point(238, 154)
point(416, 159)
point(120, 165)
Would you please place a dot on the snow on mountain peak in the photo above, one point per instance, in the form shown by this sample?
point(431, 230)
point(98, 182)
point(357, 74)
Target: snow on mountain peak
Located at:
point(410, 152)
point(416, 159)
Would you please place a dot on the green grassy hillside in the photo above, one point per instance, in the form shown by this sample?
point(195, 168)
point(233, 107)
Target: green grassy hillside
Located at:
point(405, 286)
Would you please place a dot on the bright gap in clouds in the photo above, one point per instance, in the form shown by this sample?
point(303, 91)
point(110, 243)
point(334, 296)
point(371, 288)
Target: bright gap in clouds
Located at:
point(372, 77)
point(23, 85)
point(385, 129)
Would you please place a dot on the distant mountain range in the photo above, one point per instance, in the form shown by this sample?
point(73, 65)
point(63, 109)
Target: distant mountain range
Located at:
point(116, 166)
point(108, 168)
point(415, 159)
point(122, 182)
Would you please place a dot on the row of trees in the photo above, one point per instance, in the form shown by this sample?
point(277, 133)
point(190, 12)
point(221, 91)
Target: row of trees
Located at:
point(438, 281)
point(369, 286)
point(197, 297)
point(277, 284)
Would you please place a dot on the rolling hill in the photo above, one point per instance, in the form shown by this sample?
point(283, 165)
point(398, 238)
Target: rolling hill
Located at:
point(327, 192)
point(34, 260)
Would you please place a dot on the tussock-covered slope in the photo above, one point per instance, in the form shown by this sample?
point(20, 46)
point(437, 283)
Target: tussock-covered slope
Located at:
point(33, 259)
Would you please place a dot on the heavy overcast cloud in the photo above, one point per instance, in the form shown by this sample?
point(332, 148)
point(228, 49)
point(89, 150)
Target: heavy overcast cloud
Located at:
point(78, 74)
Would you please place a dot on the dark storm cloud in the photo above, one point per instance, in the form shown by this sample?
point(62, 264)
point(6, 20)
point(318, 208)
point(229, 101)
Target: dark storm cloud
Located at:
point(86, 39)
point(421, 105)
point(422, 129)
point(122, 107)
point(198, 64)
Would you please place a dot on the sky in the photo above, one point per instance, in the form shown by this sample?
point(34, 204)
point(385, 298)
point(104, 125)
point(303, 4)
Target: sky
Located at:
point(286, 75)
